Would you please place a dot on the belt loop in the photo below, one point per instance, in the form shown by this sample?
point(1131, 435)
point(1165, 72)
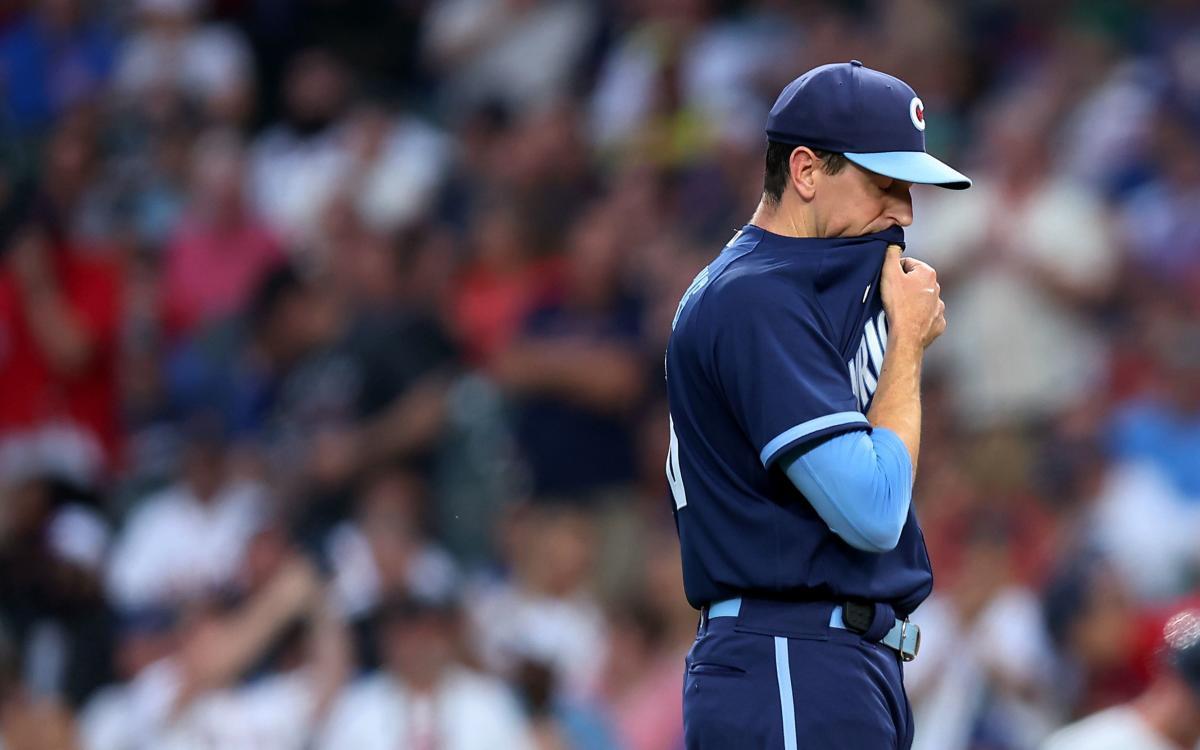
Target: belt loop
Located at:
point(883, 619)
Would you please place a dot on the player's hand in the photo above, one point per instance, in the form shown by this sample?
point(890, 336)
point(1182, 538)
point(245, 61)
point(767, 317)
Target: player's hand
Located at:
point(912, 298)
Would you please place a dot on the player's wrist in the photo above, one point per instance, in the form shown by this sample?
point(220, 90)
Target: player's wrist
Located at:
point(903, 342)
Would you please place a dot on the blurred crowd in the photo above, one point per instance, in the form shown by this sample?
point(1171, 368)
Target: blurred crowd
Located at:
point(331, 333)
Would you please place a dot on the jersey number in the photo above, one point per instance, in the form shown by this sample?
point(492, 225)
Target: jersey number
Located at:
point(674, 478)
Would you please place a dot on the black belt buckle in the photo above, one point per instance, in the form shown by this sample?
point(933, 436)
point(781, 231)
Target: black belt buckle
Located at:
point(857, 616)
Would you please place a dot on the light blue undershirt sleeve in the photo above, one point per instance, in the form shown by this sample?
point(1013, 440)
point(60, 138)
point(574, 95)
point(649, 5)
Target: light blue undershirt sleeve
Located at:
point(860, 484)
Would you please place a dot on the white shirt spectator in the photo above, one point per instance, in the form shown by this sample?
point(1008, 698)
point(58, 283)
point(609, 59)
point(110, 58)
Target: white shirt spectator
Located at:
point(525, 57)
point(1017, 350)
point(207, 61)
point(131, 716)
point(1119, 728)
point(358, 585)
point(276, 712)
point(719, 69)
point(293, 177)
point(469, 711)
point(568, 634)
point(949, 683)
point(175, 546)
point(399, 185)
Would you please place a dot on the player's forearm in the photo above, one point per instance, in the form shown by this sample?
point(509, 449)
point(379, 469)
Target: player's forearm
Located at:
point(897, 402)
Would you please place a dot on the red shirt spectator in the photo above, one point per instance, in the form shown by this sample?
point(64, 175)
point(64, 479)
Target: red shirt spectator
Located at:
point(211, 270)
point(59, 319)
point(491, 305)
point(220, 250)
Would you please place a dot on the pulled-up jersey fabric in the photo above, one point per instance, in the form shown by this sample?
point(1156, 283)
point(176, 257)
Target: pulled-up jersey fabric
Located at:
point(778, 343)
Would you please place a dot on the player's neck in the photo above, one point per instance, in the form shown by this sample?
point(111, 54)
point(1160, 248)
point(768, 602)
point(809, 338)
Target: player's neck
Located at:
point(782, 219)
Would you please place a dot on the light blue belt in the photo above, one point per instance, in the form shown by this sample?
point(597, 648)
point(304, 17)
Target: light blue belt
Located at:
point(904, 637)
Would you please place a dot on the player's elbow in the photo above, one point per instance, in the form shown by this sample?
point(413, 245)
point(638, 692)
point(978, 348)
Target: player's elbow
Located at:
point(878, 536)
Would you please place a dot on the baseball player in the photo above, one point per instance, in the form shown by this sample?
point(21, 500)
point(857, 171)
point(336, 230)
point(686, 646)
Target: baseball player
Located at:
point(793, 374)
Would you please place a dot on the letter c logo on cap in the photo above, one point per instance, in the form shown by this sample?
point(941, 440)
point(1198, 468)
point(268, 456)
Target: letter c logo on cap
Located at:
point(916, 112)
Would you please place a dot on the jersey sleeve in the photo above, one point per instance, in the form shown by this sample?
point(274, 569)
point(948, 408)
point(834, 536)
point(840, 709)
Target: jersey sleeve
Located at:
point(782, 376)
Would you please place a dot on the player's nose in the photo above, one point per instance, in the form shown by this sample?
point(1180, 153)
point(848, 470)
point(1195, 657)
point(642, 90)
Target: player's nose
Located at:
point(898, 205)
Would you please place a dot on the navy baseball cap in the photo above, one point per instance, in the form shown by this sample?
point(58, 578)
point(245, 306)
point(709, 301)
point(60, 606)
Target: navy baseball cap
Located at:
point(873, 118)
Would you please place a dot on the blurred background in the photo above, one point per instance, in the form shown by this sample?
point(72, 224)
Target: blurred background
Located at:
point(331, 335)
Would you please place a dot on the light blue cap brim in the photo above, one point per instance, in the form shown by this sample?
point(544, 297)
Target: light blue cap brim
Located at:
point(912, 166)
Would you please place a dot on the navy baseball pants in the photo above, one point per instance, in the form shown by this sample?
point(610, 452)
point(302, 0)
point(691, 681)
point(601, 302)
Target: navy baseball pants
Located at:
point(779, 677)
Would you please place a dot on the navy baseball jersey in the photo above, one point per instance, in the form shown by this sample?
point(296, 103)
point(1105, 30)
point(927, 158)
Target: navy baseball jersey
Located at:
point(778, 343)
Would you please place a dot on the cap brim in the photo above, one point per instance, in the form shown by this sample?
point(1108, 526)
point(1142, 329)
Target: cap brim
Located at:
point(912, 166)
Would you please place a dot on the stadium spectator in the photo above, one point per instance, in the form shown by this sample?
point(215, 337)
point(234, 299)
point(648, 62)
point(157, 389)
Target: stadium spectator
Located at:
point(544, 612)
point(1091, 618)
point(56, 617)
point(966, 692)
point(171, 50)
point(219, 250)
point(501, 285)
point(60, 311)
point(520, 52)
point(1161, 232)
point(187, 541)
point(385, 552)
point(1146, 516)
point(424, 696)
point(57, 57)
point(1041, 280)
point(576, 371)
point(297, 164)
point(1164, 716)
point(643, 681)
point(387, 284)
point(194, 691)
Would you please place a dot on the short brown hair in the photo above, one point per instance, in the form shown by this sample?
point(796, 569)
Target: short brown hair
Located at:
point(779, 155)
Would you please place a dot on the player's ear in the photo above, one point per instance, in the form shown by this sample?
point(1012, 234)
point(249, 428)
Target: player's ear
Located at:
point(803, 166)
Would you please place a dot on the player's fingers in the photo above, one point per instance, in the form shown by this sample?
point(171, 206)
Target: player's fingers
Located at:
point(912, 264)
point(891, 262)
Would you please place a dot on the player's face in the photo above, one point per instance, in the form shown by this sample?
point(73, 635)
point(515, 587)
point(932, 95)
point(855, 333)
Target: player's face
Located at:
point(855, 202)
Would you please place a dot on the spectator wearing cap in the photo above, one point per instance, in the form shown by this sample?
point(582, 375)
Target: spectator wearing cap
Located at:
point(424, 697)
point(1092, 620)
point(1166, 716)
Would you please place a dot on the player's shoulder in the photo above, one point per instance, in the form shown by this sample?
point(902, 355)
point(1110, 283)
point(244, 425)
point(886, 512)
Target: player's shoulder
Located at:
point(748, 281)
point(756, 282)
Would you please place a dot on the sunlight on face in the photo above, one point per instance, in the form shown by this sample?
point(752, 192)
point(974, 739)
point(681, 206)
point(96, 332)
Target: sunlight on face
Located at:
point(855, 202)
